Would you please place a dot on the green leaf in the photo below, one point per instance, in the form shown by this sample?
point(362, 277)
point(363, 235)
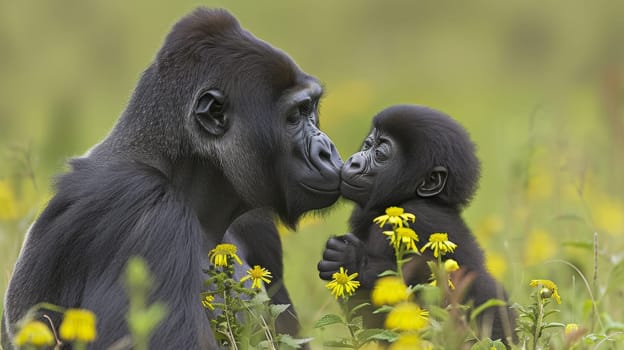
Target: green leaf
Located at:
point(550, 312)
point(327, 320)
point(142, 322)
point(357, 322)
point(488, 304)
point(438, 313)
point(384, 308)
point(388, 273)
point(377, 334)
point(406, 260)
point(358, 307)
point(595, 337)
point(277, 309)
point(288, 340)
point(344, 343)
point(418, 287)
point(578, 244)
point(489, 344)
point(260, 298)
point(553, 325)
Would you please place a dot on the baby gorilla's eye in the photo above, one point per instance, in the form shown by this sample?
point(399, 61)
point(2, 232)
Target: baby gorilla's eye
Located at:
point(380, 155)
point(382, 152)
point(368, 143)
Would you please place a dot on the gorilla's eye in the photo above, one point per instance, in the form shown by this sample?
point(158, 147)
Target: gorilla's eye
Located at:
point(368, 143)
point(306, 107)
point(293, 118)
point(382, 152)
point(379, 155)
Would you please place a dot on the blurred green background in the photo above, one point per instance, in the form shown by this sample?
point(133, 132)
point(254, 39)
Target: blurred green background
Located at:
point(539, 85)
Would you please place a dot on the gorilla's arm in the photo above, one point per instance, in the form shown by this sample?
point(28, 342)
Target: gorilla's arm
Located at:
point(76, 253)
point(368, 258)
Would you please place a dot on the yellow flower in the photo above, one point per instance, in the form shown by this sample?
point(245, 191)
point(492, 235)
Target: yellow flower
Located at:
point(258, 275)
point(389, 291)
point(571, 328)
point(410, 341)
point(550, 286)
point(34, 333)
point(220, 254)
point(342, 283)
point(207, 300)
point(439, 243)
point(78, 325)
point(403, 235)
point(450, 265)
point(395, 217)
point(407, 317)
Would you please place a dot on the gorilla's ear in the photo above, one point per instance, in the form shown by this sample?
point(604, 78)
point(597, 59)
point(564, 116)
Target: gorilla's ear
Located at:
point(209, 112)
point(434, 184)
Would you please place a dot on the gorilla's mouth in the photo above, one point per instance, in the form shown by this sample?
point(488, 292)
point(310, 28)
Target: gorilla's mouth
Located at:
point(352, 186)
point(314, 189)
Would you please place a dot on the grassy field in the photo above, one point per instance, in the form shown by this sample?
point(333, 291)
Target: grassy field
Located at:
point(540, 87)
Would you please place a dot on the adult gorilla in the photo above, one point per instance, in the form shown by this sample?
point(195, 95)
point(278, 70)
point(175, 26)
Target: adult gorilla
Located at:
point(424, 161)
point(220, 123)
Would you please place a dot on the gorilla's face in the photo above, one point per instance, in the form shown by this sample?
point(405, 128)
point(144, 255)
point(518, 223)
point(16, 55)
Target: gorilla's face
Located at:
point(315, 168)
point(264, 134)
point(365, 169)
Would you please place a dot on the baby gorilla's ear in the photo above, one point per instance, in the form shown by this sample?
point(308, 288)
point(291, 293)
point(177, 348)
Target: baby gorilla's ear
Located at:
point(434, 183)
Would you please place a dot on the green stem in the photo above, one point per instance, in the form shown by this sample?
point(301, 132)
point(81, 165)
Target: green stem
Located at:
point(538, 321)
point(345, 309)
point(398, 253)
point(399, 260)
point(356, 344)
point(227, 312)
point(78, 345)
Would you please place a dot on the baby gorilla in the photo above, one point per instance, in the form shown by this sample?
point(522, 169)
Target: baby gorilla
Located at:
point(421, 160)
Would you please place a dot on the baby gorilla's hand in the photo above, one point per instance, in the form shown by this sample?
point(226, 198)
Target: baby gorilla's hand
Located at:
point(342, 251)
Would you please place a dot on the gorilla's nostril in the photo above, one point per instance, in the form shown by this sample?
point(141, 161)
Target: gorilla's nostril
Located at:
point(324, 155)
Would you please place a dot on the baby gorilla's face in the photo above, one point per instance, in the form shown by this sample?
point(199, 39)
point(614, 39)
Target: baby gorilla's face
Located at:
point(364, 169)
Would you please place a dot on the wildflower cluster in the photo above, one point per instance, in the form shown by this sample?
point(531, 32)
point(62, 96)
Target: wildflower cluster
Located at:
point(78, 328)
point(242, 311)
point(402, 238)
point(34, 334)
point(406, 318)
point(407, 324)
point(532, 318)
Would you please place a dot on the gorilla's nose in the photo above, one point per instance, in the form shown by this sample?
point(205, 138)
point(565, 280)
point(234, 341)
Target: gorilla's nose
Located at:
point(354, 165)
point(324, 156)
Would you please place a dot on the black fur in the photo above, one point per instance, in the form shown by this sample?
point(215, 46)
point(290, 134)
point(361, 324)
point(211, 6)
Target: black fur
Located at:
point(421, 139)
point(214, 128)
